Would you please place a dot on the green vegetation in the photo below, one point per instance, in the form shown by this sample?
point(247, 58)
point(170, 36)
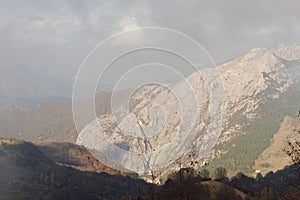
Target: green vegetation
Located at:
point(244, 150)
point(204, 173)
point(265, 165)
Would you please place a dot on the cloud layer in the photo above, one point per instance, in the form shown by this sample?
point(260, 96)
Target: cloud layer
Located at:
point(51, 38)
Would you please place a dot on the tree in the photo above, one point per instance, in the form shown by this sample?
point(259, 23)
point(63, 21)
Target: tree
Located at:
point(204, 174)
point(259, 177)
point(220, 174)
point(183, 175)
point(293, 149)
point(184, 184)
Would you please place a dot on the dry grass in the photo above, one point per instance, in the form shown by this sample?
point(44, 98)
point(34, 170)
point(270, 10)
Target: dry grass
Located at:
point(274, 158)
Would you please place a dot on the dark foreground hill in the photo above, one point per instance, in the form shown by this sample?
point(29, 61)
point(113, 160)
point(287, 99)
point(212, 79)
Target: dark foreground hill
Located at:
point(283, 184)
point(51, 170)
point(188, 184)
point(26, 173)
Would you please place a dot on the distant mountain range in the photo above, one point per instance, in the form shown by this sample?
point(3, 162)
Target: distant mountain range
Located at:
point(22, 86)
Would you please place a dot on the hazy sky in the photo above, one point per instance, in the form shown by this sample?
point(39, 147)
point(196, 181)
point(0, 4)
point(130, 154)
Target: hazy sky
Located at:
point(44, 42)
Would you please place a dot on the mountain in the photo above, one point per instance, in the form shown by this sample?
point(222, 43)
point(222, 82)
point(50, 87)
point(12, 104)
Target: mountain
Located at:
point(255, 135)
point(257, 85)
point(26, 173)
point(50, 120)
point(261, 88)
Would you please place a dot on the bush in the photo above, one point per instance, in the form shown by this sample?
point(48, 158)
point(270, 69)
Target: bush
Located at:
point(265, 165)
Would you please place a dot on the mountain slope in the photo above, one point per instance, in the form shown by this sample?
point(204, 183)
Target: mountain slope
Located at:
point(252, 81)
point(261, 88)
point(273, 157)
point(26, 173)
point(49, 121)
point(72, 155)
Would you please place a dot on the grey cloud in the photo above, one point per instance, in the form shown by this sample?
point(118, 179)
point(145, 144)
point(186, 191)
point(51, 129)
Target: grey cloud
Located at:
point(53, 37)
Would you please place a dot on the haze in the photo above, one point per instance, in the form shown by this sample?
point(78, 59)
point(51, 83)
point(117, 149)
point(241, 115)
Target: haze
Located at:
point(44, 42)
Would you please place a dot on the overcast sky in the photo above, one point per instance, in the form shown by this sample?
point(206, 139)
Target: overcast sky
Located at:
point(42, 43)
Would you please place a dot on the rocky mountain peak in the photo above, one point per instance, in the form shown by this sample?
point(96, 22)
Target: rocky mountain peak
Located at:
point(288, 52)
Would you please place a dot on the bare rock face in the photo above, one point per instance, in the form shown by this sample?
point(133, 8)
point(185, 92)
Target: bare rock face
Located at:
point(249, 76)
point(162, 122)
point(249, 81)
point(165, 123)
point(288, 52)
